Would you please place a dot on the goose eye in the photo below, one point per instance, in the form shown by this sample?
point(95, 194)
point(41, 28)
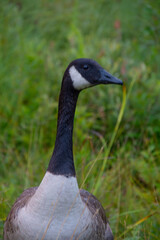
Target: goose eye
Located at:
point(85, 67)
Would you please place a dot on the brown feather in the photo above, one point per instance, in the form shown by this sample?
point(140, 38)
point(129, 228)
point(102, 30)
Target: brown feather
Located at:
point(19, 203)
point(98, 212)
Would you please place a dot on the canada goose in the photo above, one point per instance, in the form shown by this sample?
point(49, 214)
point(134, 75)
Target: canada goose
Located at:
point(58, 209)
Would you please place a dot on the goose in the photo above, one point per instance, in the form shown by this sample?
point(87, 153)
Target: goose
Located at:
point(57, 209)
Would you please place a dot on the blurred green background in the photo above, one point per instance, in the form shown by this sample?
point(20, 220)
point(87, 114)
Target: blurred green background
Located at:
point(38, 39)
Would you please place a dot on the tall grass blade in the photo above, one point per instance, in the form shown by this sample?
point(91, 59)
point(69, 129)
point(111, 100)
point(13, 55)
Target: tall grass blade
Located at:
point(129, 228)
point(112, 140)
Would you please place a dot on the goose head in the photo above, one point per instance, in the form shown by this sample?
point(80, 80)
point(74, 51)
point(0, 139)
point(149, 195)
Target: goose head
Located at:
point(86, 73)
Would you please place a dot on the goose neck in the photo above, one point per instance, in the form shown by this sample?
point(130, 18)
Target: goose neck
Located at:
point(61, 162)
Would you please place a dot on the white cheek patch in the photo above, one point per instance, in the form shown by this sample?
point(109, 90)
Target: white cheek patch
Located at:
point(79, 82)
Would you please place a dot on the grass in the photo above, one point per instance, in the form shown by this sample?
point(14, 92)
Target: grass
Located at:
point(37, 41)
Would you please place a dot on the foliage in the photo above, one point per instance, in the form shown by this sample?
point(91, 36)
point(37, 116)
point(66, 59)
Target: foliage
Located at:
point(37, 40)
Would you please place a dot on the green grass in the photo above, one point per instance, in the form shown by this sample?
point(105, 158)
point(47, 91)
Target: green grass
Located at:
point(37, 41)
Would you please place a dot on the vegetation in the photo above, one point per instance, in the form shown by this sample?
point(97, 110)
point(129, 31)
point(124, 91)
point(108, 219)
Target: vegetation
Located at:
point(37, 41)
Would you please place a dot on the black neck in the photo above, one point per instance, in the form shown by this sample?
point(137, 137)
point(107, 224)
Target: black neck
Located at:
point(61, 162)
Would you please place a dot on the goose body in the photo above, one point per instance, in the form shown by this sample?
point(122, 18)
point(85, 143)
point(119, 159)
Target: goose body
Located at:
point(57, 208)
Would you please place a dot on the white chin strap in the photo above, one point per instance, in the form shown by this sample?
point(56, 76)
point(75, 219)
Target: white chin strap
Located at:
point(79, 82)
